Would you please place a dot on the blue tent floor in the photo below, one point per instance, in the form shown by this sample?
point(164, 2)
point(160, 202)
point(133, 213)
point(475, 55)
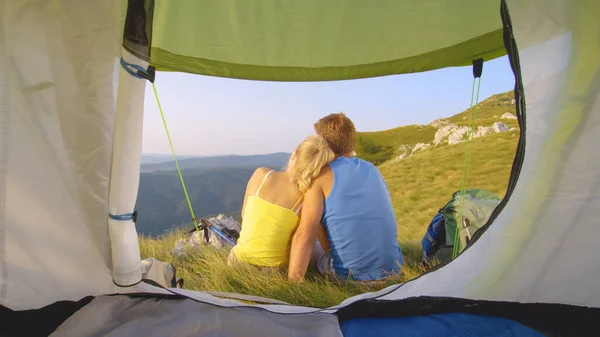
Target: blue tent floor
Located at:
point(448, 324)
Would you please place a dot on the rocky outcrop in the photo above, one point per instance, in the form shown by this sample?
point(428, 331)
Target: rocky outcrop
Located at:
point(420, 147)
point(451, 133)
point(440, 122)
point(508, 115)
point(443, 133)
point(457, 135)
point(454, 134)
point(197, 240)
point(405, 148)
point(499, 127)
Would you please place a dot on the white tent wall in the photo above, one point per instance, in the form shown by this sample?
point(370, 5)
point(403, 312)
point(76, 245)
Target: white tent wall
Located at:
point(125, 176)
point(543, 246)
point(58, 81)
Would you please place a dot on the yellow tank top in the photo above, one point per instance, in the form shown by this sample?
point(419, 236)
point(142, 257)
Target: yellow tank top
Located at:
point(267, 230)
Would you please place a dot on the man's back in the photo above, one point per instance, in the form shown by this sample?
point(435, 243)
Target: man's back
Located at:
point(360, 222)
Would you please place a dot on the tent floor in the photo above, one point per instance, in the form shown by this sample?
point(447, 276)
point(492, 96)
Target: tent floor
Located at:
point(151, 314)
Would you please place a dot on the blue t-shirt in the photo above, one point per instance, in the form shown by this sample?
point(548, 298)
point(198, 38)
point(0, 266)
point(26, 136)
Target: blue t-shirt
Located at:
point(360, 222)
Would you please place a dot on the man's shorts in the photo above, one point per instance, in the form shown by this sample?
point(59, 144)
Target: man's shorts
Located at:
point(325, 265)
point(323, 261)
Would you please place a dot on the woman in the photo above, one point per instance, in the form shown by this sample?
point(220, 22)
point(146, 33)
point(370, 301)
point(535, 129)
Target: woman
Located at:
point(272, 204)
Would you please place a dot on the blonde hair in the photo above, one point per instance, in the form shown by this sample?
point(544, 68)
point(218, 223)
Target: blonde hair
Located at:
point(308, 160)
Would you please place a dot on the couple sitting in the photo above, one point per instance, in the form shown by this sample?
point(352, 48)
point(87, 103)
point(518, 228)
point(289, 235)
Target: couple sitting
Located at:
point(328, 208)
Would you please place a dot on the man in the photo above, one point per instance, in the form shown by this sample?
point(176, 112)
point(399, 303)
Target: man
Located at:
point(348, 208)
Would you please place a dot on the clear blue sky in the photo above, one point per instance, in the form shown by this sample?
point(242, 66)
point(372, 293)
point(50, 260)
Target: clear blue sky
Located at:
point(215, 116)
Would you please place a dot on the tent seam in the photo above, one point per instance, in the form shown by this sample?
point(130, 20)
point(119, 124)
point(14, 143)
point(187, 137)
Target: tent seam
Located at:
point(4, 147)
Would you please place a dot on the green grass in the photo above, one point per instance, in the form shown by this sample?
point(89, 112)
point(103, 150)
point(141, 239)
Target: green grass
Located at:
point(419, 186)
point(207, 270)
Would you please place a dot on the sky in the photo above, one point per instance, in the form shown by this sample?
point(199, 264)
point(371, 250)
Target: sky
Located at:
point(218, 116)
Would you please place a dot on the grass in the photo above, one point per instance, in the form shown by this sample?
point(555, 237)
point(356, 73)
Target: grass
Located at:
point(207, 270)
point(419, 186)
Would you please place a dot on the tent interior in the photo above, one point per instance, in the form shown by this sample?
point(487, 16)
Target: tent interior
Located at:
point(72, 83)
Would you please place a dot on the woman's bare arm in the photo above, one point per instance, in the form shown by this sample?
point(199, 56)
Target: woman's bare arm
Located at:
point(305, 236)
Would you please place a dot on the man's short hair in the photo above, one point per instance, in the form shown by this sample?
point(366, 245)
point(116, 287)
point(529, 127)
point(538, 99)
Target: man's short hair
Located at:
point(339, 132)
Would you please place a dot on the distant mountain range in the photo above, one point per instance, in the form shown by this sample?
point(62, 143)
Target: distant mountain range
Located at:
point(215, 185)
point(274, 160)
point(148, 158)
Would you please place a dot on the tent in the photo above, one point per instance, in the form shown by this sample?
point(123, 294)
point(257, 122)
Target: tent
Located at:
point(71, 106)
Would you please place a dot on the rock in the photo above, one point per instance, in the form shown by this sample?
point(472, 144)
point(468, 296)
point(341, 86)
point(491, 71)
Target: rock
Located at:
point(395, 160)
point(494, 128)
point(443, 133)
point(512, 101)
point(457, 135)
point(405, 148)
point(508, 115)
point(420, 147)
point(500, 127)
point(182, 245)
point(482, 131)
point(439, 122)
point(196, 240)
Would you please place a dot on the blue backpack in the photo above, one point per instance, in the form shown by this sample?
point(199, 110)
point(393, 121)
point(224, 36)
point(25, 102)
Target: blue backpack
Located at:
point(434, 237)
point(438, 241)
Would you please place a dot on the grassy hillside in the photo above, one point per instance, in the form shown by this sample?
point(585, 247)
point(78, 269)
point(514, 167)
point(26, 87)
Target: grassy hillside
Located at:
point(381, 146)
point(419, 186)
point(378, 147)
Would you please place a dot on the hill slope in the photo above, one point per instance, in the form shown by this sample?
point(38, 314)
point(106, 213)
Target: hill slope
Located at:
point(381, 146)
point(421, 184)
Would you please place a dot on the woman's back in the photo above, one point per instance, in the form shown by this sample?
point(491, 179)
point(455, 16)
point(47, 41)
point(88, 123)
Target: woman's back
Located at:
point(269, 218)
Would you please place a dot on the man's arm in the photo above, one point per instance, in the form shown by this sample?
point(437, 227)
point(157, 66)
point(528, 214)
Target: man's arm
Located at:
point(304, 238)
point(323, 240)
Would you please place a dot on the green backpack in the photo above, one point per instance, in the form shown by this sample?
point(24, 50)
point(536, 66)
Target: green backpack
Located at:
point(439, 241)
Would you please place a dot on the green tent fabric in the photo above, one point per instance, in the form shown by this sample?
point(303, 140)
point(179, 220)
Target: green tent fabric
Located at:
point(312, 40)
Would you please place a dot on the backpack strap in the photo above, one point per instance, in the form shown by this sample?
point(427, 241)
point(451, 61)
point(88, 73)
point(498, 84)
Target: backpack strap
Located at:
point(263, 182)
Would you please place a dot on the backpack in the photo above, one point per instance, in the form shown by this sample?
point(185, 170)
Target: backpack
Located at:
point(438, 241)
